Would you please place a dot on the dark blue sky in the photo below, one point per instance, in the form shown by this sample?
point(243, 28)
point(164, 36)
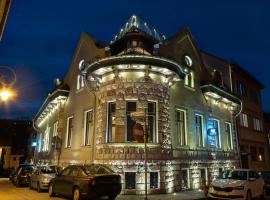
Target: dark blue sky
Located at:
point(41, 36)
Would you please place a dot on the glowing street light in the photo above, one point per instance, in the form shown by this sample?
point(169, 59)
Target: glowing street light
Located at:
point(7, 80)
point(6, 94)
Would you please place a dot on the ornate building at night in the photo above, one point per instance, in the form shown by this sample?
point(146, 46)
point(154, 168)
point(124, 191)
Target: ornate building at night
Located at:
point(98, 112)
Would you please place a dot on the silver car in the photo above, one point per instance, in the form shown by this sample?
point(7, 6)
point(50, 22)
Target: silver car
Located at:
point(42, 176)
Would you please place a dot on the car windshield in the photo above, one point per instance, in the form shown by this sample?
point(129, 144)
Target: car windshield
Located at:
point(48, 170)
point(236, 175)
point(96, 169)
point(27, 169)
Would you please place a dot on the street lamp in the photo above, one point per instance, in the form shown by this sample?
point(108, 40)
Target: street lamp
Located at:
point(6, 94)
point(7, 79)
point(143, 115)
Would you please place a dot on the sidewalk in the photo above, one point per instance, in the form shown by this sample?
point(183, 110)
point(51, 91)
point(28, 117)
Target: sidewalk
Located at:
point(189, 195)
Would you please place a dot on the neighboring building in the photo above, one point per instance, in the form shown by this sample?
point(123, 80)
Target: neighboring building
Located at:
point(14, 142)
point(267, 131)
point(253, 138)
point(92, 115)
point(4, 10)
point(251, 133)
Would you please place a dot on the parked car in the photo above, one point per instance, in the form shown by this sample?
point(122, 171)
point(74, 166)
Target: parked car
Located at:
point(86, 181)
point(41, 177)
point(21, 176)
point(266, 177)
point(237, 184)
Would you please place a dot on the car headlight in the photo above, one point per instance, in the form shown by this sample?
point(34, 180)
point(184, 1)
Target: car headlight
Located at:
point(239, 187)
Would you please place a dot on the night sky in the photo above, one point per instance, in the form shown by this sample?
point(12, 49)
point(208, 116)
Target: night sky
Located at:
point(41, 36)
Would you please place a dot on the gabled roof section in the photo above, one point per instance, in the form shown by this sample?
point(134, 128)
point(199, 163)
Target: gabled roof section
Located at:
point(135, 22)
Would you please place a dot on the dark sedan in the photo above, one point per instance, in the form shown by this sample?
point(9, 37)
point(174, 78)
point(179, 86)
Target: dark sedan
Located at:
point(86, 181)
point(22, 175)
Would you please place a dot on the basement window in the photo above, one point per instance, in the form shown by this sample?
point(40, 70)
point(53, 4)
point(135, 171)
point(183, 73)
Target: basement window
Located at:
point(130, 180)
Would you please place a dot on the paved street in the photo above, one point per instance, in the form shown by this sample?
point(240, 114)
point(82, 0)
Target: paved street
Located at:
point(10, 192)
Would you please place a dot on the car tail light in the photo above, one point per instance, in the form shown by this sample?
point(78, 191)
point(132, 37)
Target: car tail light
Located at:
point(92, 181)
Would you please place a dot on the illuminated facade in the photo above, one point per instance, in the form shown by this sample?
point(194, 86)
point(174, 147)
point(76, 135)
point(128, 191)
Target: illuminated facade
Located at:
point(189, 111)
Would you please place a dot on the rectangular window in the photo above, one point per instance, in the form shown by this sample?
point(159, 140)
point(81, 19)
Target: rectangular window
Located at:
point(130, 180)
point(69, 131)
point(181, 127)
point(88, 126)
point(153, 180)
point(185, 183)
point(189, 79)
point(152, 119)
point(80, 82)
point(55, 129)
point(241, 89)
point(199, 130)
point(244, 120)
point(217, 127)
point(261, 156)
point(130, 107)
point(257, 125)
point(111, 109)
point(228, 130)
point(253, 153)
point(254, 96)
point(46, 139)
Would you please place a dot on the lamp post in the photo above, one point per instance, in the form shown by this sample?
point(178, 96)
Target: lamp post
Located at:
point(144, 115)
point(7, 79)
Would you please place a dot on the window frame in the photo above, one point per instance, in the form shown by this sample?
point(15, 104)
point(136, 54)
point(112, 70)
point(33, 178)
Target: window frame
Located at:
point(126, 118)
point(230, 147)
point(107, 121)
point(155, 136)
point(202, 130)
point(158, 183)
point(55, 128)
point(189, 80)
point(185, 125)
point(67, 131)
point(85, 143)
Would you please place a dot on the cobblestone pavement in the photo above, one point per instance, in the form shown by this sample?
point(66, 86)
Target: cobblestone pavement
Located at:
point(10, 192)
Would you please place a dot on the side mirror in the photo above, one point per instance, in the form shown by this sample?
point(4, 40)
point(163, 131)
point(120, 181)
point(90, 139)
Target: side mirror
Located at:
point(252, 179)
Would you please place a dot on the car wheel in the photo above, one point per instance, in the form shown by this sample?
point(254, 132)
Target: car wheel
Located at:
point(76, 194)
point(248, 197)
point(113, 197)
point(51, 192)
point(38, 187)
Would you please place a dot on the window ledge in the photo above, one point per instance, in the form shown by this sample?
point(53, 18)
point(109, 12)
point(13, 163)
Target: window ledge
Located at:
point(189, 88)
point(79, 90)
point(130, 144)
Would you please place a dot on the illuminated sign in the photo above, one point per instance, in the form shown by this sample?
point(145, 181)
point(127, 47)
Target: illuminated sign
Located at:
point(212, 132)
point(34, 144)
point(4, 9)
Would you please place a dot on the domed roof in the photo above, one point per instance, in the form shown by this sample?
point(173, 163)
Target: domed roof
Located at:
point(137, 23)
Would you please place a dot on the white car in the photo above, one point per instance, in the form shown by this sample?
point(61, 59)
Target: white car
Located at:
point(237, 184)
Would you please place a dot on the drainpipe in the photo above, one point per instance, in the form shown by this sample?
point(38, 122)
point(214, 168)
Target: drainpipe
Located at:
point(237, 132)
point(37, 130)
